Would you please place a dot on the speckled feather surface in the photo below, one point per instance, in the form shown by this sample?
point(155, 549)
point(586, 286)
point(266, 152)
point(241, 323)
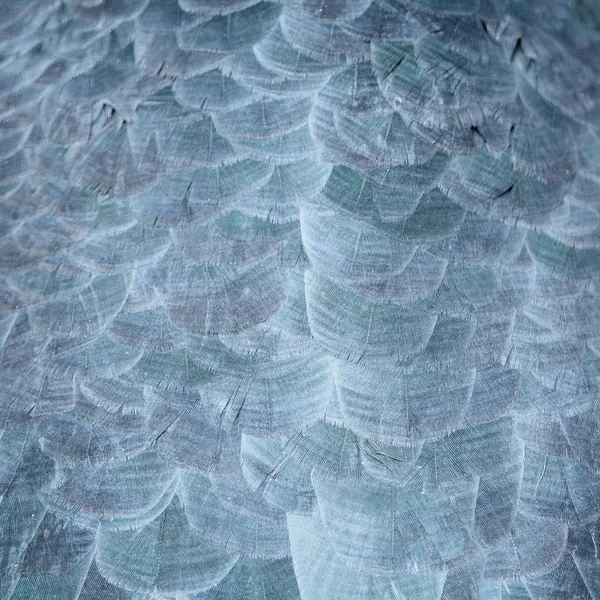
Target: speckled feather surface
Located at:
point(299, 300)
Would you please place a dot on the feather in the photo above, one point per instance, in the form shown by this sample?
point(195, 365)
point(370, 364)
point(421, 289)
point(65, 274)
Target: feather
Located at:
point(299, 300)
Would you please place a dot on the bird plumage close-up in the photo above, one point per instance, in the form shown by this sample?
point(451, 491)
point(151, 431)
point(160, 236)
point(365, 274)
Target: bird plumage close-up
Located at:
point(299, 300)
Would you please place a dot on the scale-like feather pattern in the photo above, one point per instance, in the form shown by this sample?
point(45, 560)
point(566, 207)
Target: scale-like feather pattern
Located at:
point(299, 300)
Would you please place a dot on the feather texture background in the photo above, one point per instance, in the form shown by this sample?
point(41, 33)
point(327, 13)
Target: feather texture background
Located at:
point(299, 300)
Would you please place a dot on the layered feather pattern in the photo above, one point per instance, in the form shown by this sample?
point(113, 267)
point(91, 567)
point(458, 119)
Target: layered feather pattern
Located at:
point(299, 300)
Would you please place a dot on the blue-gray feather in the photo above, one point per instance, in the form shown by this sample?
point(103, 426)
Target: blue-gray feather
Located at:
point(299, 300)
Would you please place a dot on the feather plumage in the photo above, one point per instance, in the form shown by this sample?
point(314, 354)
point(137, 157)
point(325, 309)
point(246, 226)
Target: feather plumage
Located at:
point(299, 300)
